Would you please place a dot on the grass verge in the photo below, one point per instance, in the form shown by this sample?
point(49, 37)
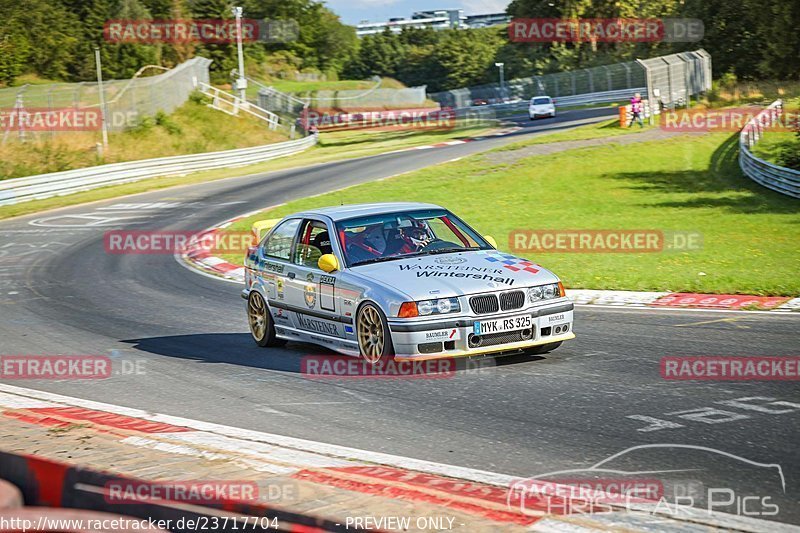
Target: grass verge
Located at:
point(682, 183)
point(192, 128)
point(333, 146)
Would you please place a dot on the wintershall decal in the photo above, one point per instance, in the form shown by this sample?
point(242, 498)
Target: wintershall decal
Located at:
point(489, 277)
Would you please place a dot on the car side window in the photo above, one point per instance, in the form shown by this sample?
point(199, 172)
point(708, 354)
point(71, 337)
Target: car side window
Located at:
point(279, 243)
point(313, 243)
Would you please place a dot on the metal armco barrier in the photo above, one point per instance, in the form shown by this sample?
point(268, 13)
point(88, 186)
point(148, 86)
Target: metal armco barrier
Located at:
point(603, 97)
point(781, 179)
point(41, 186)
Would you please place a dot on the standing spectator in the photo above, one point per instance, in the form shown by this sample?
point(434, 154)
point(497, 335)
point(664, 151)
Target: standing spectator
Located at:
point(636, 110)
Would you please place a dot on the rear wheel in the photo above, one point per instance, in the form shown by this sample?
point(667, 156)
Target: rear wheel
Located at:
point(536, 350)
point(262, 328)
point(374, 339)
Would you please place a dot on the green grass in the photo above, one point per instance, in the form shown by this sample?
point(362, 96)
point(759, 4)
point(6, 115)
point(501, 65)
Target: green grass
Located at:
point(192, 128)
point(333, 147)
point(601, 130)
point(750, 234)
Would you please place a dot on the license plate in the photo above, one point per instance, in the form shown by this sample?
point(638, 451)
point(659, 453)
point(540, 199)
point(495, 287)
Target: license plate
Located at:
point(502, 324)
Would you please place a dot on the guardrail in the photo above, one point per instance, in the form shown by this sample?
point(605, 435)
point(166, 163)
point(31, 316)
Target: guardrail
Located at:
point(232, 104)
point(781, 179)
point(603, 97)
point(41, 186)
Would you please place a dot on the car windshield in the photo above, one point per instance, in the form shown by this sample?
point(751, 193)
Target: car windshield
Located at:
point(390, 236)
point(541, 101)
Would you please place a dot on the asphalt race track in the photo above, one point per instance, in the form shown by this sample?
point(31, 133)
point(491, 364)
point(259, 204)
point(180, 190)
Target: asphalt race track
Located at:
point(594, 397)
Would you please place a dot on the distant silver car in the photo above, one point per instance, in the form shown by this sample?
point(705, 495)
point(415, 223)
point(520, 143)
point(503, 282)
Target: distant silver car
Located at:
point(407, 281)
point(541, 106)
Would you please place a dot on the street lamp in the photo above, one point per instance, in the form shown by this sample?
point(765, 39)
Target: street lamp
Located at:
point(502, 78)
point(103, 114)
point(241, 83)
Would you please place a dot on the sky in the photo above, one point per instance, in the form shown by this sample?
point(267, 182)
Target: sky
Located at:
point(354, 11)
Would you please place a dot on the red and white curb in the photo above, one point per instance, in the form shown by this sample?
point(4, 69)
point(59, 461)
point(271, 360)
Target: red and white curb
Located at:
point(476, 492)
point(203, 261)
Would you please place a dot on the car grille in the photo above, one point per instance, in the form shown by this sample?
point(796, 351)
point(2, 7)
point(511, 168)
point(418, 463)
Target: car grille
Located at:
point(512, 300)
point(493, 339)
point(484, 304)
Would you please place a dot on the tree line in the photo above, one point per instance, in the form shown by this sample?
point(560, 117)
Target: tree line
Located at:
point(752, 39)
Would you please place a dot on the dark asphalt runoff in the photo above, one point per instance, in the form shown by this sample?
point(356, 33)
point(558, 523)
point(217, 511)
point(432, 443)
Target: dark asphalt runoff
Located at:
point(595, 397)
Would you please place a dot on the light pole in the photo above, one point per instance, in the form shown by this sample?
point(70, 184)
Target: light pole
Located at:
point(241, 83)
point(103, 118)
point(502, 79)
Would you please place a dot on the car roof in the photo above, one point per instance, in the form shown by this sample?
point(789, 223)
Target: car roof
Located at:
point(343, 212)
point(542, 96)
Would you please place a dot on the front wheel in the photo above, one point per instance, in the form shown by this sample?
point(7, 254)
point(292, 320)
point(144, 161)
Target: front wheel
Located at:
point(536, 350)
point(374, 339)
point(262, 328)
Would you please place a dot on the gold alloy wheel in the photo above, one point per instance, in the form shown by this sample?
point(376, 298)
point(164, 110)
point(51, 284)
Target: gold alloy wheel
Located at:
point(370, 334)
point(257, 316)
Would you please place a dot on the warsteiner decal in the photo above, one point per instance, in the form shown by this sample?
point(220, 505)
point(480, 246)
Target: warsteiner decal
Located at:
point(326, 289)
point(319, 326)
point(451, 268)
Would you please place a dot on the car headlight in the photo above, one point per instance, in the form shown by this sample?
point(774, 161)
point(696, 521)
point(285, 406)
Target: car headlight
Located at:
point(544, 292)
point(440, 306)
point(534, 294)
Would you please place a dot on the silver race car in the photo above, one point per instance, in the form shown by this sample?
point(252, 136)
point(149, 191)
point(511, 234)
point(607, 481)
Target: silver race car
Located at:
point(407, 281)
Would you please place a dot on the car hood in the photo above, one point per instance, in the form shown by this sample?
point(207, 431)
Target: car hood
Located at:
point(456, 274)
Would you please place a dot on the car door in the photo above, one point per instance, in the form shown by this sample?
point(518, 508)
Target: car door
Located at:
point(318, 309)
point(275, 269)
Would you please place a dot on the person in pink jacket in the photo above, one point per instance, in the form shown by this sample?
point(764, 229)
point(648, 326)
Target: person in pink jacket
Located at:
point(636, 110)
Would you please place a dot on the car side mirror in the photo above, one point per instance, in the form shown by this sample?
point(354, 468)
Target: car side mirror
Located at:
point(328, 263)
point(490, 240)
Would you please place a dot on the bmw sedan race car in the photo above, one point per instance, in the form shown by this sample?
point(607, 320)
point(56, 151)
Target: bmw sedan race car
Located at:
point(407, 281)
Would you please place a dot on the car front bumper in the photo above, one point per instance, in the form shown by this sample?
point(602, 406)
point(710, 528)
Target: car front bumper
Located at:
point(454, 337)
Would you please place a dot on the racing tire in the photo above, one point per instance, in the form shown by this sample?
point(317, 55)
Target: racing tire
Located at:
point(544, 348)
point(259, 319)
point(373, 335)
